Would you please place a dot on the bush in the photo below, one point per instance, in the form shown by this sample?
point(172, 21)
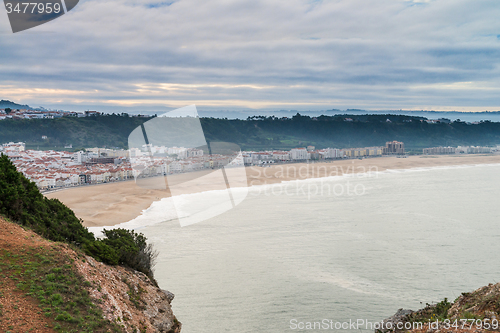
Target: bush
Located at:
point(132, 249)
point(101, 252)
point(22, 202)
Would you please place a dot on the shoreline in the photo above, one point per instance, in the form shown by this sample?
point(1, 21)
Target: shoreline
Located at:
point(115, 203)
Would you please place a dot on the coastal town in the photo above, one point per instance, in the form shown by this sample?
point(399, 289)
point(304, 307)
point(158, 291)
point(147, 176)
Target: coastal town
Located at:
point(58, 169)
point(42, 113)
point(11, 113)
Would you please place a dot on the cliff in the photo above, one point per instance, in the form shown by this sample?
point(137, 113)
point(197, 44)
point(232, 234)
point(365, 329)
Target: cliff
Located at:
point(48, 286)
point(128, 297)
point(476, 311)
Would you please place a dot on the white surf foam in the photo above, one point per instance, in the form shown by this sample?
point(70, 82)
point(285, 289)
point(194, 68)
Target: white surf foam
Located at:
point(165, 210)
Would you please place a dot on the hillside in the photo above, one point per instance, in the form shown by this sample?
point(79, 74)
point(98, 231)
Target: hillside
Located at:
point(477, 311)
point(21, 201)
point(48, 287)
point(340, 132)
point(259, 133)
point(55, 274)
point(101, 131)
point(8, 104)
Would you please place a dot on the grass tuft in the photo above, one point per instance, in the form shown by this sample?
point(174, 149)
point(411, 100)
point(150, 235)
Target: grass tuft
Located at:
point(55, 285)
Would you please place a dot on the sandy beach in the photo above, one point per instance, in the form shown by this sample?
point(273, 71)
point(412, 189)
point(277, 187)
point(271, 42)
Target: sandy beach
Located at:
point(114, 203)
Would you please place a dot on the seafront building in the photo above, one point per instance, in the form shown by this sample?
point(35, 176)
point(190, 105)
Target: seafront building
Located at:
point(439, 151)
point(55, 169)
point(394, 148)
point(458, 150)
point(362, 152)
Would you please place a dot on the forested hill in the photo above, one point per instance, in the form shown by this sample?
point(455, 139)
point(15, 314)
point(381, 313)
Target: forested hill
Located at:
point(340, 131)
point(8, 104)
point(95, 131)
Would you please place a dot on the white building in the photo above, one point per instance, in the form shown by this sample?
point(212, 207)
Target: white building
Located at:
point(331, 153)
point(281, 156)
point(193, 152)
point(473, 150)
point(299, 154)
point(80, 157)
point(12, 147)
point(135, 152)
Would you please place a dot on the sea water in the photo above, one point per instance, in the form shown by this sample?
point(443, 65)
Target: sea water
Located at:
point(397, 239)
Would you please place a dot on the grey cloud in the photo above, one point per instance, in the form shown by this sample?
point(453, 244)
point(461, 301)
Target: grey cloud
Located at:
point(341, 52)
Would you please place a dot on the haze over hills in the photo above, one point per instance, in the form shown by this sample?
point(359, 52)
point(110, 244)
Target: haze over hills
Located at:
point(8, 104)
point(259, 133)
point(244, 113)
point(283, 129)
point(14, 106)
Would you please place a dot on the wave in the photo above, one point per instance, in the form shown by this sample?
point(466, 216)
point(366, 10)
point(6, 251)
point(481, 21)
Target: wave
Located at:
point(165, 210)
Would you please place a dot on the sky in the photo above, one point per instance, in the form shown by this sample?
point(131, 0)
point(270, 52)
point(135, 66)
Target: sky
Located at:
point(112, 55)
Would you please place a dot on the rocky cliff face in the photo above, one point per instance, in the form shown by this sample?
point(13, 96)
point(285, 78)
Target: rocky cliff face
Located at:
point(40, 280)
point(477, 311)
point(129, 298)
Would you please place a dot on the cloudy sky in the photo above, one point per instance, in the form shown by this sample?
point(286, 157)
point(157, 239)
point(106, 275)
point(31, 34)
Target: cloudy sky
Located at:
point(272, 54)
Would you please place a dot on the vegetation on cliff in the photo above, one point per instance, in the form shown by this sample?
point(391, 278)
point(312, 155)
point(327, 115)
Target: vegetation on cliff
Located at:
point(53, 284)
point(40, 290)
point(477, 311)
point(49, 287)
point(21, 202)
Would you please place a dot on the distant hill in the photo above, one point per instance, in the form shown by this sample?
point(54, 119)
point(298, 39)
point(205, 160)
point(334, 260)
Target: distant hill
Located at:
point(260, 133)
point(348, 131)
point(100, 131)
point(8, 104)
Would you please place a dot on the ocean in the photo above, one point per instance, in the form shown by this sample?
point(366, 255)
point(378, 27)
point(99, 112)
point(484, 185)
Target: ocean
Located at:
point(388, 240)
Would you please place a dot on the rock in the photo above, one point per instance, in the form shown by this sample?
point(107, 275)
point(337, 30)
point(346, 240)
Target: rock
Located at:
point(390, 324)
point(132, 299)
point(170, 296)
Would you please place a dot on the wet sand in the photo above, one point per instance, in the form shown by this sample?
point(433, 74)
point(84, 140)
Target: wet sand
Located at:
point(114, 203)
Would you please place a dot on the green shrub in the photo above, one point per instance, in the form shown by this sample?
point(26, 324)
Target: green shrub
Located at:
point(101, 251)
point(132, 249)
point(22, 202)
point(66, 317)
point(442, 308)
